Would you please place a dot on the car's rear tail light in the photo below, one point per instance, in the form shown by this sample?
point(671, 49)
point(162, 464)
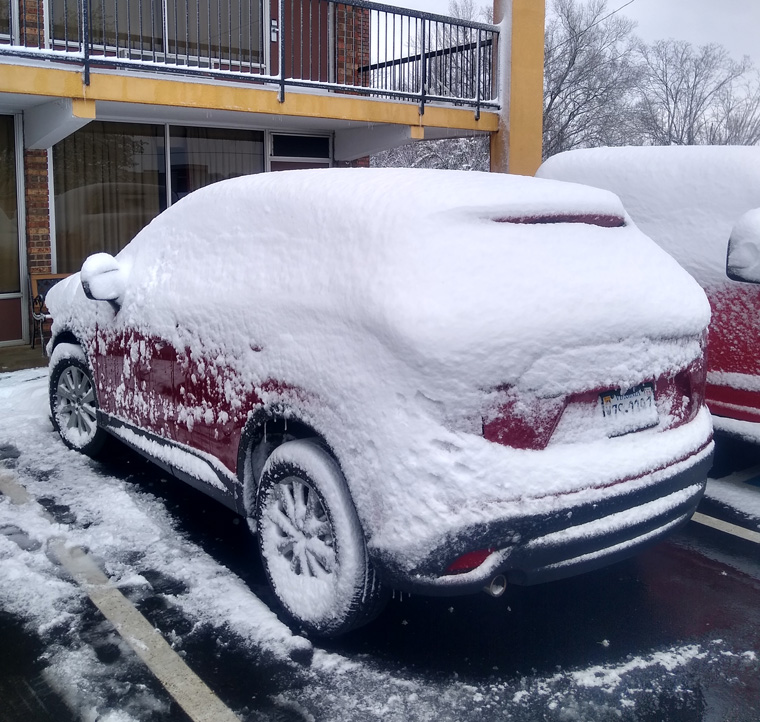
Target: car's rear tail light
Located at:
point(591, 219)
point(523, 422)
point(684, 394)
point(468, 562)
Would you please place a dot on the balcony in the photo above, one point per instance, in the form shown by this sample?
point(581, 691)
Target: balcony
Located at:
point(347, 48)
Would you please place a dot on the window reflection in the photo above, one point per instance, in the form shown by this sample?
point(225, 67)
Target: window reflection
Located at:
point(200, 156)
point(203, 33)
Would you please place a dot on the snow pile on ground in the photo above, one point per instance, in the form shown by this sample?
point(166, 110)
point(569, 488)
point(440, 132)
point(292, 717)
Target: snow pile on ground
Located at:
point(630, 690)
point(737, 494)
point(687, 198)
point(390, 302)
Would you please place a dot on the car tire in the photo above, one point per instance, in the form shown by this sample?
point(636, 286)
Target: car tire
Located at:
point(312, 544)
point(74, 402)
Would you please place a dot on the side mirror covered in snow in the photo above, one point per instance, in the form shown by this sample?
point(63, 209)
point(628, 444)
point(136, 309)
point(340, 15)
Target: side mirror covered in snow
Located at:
point(743, 260)
point(103, 279)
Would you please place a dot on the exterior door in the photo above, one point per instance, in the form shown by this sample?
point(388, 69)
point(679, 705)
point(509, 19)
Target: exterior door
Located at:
point(11, 304)
point(135, 380)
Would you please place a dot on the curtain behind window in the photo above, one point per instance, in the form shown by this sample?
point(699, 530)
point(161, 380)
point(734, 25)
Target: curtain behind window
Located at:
point(9, 273)
point(200, 156)
point(110, 181)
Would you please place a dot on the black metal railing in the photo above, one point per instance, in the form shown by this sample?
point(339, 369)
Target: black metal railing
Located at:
point(351, 46)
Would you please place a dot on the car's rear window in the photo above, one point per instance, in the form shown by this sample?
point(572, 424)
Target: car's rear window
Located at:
point(603, 220)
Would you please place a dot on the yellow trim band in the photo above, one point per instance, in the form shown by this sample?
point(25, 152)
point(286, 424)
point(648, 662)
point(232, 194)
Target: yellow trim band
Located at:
point(133, 88)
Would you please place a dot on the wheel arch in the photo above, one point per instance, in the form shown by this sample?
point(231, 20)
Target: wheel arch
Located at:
point(73, 400)
point(265, 430)
point(67, 336)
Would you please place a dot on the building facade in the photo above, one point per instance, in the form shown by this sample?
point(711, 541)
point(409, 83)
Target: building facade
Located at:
point(112, 110)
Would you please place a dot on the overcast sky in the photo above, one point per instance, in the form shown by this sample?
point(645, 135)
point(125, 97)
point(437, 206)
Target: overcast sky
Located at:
point(732, 23)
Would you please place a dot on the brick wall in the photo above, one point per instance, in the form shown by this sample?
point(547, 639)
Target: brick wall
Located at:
point(38, 255)
point(32, 23)
point(352, 52)
point(352, 44)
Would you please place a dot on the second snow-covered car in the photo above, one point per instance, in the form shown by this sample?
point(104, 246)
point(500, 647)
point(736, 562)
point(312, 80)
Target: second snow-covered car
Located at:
point(432, 381)
point(690, 199)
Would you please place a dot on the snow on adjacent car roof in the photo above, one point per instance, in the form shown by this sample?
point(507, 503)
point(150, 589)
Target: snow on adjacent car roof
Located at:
point(687, 198)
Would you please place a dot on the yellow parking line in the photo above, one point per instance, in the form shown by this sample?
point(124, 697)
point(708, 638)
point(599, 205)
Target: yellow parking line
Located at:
point(187, 689)
point(724, 526)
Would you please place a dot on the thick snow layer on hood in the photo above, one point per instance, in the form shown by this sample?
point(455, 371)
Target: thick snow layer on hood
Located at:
point(687, 198)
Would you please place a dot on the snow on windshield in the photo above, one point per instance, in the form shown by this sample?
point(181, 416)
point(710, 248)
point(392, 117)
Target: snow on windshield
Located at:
point(687, 198)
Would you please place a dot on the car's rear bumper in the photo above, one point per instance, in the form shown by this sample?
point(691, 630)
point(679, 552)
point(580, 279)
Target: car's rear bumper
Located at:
point(619, 521)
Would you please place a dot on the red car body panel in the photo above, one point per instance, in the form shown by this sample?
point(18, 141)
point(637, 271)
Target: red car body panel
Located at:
point(734, 347)
point(688, 199)
point(157, 385)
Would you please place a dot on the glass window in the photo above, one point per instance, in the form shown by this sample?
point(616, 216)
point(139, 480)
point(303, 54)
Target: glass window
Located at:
point(66, 21)
point(9, 270)
point(110, 181)
point(5, 19)
point(200, 156)
point(296, 165)
point(301, 146)
point(224, 34)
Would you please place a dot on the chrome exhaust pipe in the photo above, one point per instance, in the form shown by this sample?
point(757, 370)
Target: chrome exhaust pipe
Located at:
point(497, 586)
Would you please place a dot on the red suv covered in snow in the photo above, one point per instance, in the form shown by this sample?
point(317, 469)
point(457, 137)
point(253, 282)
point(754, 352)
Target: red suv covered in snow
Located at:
point(432, 381)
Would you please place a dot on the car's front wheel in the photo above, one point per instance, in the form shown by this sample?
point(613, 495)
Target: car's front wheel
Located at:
point(73, 401)
point(312, 543)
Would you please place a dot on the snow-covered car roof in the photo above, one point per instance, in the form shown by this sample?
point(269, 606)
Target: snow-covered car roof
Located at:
point(422, 261)
point(687, 198)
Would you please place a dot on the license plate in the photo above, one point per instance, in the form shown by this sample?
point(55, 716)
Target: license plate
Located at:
point(630, 411)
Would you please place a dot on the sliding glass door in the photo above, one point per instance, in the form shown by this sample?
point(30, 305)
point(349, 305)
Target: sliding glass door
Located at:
point(110, 179)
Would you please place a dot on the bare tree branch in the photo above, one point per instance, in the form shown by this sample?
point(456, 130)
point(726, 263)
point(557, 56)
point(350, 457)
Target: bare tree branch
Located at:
point(603, 86)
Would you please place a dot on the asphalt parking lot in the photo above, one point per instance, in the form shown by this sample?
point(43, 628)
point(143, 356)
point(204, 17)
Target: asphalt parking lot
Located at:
point(673, 634)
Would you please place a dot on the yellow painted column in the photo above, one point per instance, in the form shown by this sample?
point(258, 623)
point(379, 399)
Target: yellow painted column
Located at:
point(516, 146)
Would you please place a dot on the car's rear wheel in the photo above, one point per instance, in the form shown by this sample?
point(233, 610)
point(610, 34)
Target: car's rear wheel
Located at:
point(74, 403)
point(312, 543)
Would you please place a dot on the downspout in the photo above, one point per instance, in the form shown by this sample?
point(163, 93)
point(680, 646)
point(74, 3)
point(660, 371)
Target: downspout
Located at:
point(502, 16)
